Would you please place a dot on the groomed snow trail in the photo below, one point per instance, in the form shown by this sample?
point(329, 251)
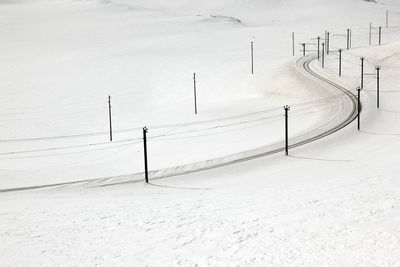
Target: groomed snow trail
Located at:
point(306, 65)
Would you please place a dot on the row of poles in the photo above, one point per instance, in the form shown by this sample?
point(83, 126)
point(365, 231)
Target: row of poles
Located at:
point(325, 48)
point(286, 109)
point(349, 33)
point(320, 56)
point(145, 131)
point(326, 45)
point(362, 59)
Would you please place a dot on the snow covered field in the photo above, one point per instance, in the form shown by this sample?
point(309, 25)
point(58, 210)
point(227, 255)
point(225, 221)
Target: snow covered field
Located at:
point(333, 202)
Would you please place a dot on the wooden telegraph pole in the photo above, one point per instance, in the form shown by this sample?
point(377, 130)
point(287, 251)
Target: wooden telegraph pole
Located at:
point(377, 85)
point(109, 116)
point(348, 39)
point(358, 107)
point(387, 18)
point(146, 171)
point(293, 43)
point(380, 35)
point(370, 33)
point(287, 108)
point(195, 93)
point(340, 62)
point(327, 43)
point(362, 72)
point(252, 57)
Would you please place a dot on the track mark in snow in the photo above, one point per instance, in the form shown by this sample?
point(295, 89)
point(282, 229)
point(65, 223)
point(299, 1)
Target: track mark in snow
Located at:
point(339, 121)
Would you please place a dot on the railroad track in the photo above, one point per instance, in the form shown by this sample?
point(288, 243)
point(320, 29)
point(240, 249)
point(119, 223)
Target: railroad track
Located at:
point(303, 64)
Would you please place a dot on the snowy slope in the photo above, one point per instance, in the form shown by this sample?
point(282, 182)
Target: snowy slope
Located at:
point(334, 202)
point(64, 58)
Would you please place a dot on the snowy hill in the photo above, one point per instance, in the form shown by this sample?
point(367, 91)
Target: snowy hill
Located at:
point(334, 201)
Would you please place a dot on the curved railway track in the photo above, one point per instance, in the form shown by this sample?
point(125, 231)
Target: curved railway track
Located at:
point(304, 64)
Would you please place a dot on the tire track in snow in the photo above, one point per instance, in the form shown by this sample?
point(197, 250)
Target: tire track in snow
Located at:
point(347, 115)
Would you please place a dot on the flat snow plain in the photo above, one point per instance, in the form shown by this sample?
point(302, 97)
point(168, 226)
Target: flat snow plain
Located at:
point(333, 202)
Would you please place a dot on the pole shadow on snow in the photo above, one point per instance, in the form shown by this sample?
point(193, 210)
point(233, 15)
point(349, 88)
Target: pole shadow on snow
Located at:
point(320, 159)
point(178, 187)
point(390, 111)
point(383, 134)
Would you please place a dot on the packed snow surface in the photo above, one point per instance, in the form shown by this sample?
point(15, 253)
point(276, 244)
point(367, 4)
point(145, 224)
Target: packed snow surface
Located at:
point(334, 202)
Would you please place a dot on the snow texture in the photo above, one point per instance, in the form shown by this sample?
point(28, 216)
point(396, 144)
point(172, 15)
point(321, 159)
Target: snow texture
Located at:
point(332, 202)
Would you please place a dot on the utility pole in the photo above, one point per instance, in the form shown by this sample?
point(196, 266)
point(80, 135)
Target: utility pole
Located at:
point(293, 42)
point(146, 171)
point(380, 34)
point(362, 72)
point(287, 108)
point(323, 55)
point(340, 62)
point(358, 107)
point(318, 40)
point(387, 18)
point(252, 58)
point(109, 116)
point(327, 43)
point(195, 93)
point(377, 86)
point(348, 39)
point(304, 49)
point(370, 32)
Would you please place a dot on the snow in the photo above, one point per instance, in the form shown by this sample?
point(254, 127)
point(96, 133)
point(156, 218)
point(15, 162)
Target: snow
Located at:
point(332, 202)
point(148, 74)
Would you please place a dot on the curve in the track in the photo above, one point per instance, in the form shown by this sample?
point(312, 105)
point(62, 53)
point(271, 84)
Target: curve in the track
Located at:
point(304, 64)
